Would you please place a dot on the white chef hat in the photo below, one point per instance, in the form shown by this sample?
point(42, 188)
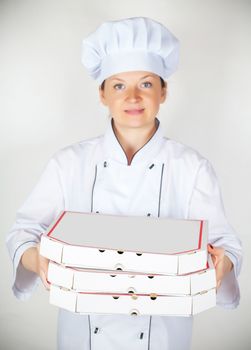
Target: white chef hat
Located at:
point(131, 44)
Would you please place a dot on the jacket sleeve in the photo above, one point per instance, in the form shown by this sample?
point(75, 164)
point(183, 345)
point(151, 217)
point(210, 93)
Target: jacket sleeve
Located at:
point(206, 203)
point(42, 206)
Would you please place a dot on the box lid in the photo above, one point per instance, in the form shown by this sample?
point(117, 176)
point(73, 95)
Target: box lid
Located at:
point(130, 233)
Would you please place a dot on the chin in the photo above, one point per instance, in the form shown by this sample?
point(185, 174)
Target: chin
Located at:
point(135, 123)
point(128, 121)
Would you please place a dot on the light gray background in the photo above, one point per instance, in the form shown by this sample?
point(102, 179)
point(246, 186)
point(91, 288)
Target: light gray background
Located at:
point(48, 101)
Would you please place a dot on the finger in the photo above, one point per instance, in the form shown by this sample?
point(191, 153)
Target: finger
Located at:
point(218, 251)
point(217, 254)
point(210, 248)
point(211, 251)
point(218, 285)
point(215, 250)
point(219, 274)
point(44, 280)
point(44, 265)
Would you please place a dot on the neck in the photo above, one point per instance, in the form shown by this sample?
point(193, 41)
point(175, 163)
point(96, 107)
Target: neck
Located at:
point(132, 139)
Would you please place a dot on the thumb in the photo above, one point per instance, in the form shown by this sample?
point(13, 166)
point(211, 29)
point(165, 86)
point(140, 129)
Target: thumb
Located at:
point(210, 249)
point(213, 251)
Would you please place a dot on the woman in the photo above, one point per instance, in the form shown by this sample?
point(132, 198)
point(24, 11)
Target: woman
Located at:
point(131, 170)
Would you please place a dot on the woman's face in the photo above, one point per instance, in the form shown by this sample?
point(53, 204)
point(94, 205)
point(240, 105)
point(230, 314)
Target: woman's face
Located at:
point(133, 98)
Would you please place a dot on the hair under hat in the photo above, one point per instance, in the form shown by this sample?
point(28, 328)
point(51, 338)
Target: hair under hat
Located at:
point(132, 44)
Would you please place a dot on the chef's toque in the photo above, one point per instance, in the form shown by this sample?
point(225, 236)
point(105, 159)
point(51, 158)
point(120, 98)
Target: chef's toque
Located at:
point(132, 44)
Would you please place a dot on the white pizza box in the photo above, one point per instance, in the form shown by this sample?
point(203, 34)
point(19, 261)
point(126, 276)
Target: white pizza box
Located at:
point(91, 280)
point(131, 243)
point(131, 304)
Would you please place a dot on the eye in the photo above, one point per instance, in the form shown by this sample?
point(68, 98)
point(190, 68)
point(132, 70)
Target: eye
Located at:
point(119, 86)
point(146, 84)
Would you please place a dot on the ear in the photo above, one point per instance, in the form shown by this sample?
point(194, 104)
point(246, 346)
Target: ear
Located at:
point(163, 93)
point(102, 96)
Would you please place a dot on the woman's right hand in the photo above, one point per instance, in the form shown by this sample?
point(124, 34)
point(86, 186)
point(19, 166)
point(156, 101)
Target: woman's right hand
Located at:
point(33, 261)
point(43, 264)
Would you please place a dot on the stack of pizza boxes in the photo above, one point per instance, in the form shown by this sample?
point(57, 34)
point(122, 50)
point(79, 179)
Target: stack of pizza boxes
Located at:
point(109, 264)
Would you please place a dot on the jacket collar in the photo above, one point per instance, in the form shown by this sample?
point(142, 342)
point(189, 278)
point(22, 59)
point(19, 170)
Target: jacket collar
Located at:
point(113, 150)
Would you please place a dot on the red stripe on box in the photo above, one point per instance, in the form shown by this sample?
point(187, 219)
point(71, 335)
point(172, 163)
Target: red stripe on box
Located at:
point(200, 237)
point(56, 223)
point(107, 248)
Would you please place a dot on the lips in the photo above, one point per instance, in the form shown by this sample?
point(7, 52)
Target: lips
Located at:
point(134, 111)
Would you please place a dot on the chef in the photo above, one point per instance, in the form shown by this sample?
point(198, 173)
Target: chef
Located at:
point(130, 170)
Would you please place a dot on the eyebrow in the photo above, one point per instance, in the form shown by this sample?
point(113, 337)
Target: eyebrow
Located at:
point(146, 76)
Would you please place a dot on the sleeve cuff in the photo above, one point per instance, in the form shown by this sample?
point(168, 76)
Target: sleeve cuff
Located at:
point(234, 260)
point(24, 281)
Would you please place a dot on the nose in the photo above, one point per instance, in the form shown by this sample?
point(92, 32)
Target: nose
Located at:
point(133, 95)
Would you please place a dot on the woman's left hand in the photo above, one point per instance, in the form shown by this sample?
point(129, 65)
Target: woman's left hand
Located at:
point(223, 265)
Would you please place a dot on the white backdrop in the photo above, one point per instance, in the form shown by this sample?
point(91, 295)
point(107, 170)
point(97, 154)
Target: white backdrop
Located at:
point(48, 101)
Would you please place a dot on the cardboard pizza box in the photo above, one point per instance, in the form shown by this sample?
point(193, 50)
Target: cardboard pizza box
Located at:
point(129, 243)
point(132, 304)
point(93, 280)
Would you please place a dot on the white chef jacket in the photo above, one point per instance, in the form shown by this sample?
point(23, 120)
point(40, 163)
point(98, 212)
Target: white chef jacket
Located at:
point(165, 179)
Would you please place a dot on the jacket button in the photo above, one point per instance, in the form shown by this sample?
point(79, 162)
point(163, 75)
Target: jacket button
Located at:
point(96, 330)
point(141, 335)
